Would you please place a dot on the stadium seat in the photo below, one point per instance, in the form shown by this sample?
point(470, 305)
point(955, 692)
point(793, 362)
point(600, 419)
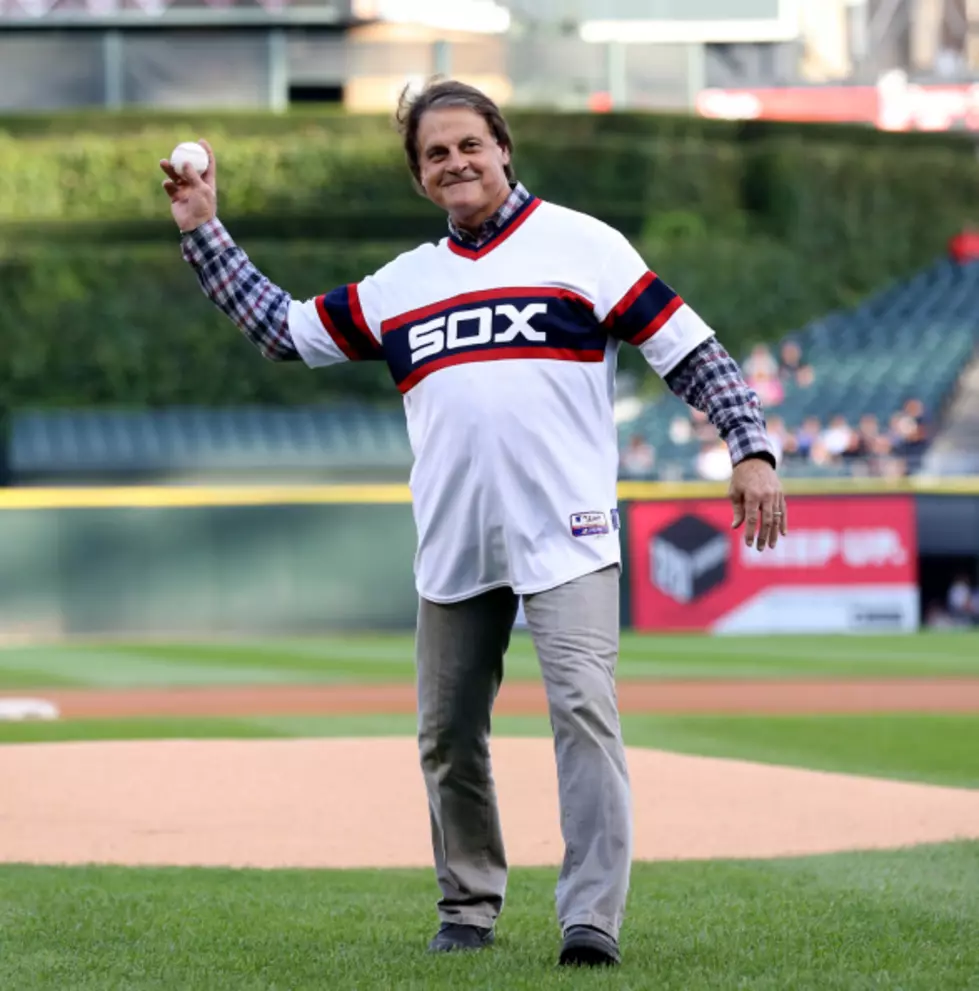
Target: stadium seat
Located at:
point(910, 340)
point(199, 441)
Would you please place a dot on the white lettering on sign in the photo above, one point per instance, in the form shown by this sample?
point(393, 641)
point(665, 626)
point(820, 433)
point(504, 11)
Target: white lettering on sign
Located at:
point(870, 547)
point(467, 328)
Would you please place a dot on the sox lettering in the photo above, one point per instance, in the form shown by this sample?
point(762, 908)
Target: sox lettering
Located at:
point(467, 328)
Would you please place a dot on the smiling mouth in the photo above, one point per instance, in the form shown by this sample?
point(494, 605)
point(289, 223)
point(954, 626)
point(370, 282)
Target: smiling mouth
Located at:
point(459, 182)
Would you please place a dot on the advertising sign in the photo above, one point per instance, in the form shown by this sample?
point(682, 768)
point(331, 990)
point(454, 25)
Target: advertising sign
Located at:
point(848, 564)
point(894, 104)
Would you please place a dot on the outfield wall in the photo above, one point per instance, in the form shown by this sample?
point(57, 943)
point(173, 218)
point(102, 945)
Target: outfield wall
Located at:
point(266, 561)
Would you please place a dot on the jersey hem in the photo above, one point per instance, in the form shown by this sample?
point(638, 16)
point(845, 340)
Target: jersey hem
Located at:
point(532, 590)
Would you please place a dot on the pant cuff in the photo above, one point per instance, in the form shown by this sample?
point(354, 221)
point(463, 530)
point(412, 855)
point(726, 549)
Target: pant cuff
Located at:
point(601, 922)
point(480, 919)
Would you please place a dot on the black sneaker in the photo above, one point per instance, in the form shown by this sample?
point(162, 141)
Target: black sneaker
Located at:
point(455, 936)
point(585, 946)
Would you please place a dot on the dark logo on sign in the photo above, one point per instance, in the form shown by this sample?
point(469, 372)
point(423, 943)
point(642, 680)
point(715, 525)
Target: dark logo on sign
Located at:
point(688, 558)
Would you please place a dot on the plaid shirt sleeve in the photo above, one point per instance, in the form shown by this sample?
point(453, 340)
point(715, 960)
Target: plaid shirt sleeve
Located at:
point(258, 308)
point(709, 380)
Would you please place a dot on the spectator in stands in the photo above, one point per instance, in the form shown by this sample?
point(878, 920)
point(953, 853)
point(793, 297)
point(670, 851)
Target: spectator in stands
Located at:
point(761, 373)
point(960, 602)
point(914, 409)
point(714, 461)
point(898, 431)
point(820, 455)
point(770, 389)
point(638, 459)
point(760, 362)
point(681, 430)
point(808, 434)
point(908, 434)
point(868, 433)
point(838, 436)
point(703, 429)
point(791, 369)
point(779, 436)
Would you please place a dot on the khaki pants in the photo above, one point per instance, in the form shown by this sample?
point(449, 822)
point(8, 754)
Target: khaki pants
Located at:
point(460, 650)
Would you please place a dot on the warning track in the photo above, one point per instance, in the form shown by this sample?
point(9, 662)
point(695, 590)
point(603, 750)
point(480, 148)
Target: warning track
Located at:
point(947, 695)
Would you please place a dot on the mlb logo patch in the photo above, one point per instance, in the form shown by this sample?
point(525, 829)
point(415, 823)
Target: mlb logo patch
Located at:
point(588, 524)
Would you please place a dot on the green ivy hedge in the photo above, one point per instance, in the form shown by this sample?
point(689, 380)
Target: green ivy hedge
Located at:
point(760, 226)
point(130, 325)
point(329, 181)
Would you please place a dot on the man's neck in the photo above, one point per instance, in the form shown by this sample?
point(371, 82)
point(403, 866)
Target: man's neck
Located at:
point(477, 235)
point(473, 224)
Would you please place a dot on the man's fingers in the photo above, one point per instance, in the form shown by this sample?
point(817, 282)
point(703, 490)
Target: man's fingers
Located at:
point(171, 172)
point(751, 515)
point(780, 523)
point(172, 189)
point(738, 514)
point(190, 177)
point(187, 177)
point(209, 175)
point(765, 520)
point(777, 517)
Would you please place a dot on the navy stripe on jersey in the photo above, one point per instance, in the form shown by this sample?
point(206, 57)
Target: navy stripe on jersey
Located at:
point(494, 325)
point(459, 247)
point(343, 319)
point(643, 310)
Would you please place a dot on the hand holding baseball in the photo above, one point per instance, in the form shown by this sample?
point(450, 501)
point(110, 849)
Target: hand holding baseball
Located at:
point(193, 195)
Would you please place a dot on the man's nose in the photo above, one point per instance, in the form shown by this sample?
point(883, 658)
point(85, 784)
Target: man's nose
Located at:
point(457, 161)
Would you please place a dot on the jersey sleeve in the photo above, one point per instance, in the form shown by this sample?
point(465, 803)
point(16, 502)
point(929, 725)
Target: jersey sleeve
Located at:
point(636, 306)
point(341, 325)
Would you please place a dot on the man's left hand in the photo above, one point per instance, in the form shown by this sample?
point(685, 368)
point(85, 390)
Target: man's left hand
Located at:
point(756, 493)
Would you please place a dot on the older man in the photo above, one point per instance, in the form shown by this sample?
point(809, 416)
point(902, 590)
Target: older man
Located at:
point(502, 339)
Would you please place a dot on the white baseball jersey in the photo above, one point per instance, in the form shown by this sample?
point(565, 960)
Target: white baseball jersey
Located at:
point(506, 358)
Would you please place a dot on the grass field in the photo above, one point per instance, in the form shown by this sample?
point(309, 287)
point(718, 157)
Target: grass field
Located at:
point(897, 920)
point(363, 659)
point(931, 748)
point(905, 920)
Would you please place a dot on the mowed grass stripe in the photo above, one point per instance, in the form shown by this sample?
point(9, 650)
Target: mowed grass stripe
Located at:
point(390, 658)
point(31, 678)
point(936, 749)
point(89, 668)
point(941, 750)
point(904, 919)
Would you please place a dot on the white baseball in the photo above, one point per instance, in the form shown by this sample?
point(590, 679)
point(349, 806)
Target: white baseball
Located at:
point(189, 151)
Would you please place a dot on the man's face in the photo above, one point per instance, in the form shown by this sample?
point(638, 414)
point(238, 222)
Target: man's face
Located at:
point(461, 164)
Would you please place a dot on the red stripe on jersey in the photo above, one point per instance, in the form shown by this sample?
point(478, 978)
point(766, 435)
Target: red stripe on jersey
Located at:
point(330, 327)
point(474, 254)
point(629, 298)
point(357, 315)
point(483, 296)
point(661, 318)
point(498, 354)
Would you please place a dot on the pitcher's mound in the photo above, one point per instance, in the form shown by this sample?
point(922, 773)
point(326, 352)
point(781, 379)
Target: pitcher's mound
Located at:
point(361, 803)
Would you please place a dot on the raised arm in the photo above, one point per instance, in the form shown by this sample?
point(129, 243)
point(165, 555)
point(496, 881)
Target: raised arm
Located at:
point(324, 330)
point(258, 308)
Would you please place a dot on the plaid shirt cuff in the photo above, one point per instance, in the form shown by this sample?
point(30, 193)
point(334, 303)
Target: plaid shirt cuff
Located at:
point(709, 380)
point(204, 242)
point(231, 282)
